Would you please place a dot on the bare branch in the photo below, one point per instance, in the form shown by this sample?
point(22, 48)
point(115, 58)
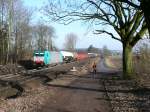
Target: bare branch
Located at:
point(108, 33)
point(139, 35)
point(130, 3)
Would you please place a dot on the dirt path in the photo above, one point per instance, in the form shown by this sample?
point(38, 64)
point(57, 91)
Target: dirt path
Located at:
point(76, 93)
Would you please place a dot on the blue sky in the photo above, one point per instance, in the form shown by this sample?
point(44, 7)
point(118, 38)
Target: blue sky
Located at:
point(85, 35)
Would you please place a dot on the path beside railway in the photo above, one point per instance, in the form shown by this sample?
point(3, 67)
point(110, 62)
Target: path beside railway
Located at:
point(76, 93)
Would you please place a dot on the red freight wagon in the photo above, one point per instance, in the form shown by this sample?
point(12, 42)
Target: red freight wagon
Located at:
point(81, 56)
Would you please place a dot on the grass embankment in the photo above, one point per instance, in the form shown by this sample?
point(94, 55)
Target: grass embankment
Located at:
point(142, 69)
point(141, 66)
point(113, 62)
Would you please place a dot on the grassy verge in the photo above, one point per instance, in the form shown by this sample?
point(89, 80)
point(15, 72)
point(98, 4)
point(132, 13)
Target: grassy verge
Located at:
point(113, 62)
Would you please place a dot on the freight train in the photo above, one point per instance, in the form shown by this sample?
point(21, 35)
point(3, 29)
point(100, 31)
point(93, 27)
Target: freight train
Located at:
point(45, 58)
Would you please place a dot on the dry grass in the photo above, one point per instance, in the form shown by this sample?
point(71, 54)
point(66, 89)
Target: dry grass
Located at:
point(142, 61)
point(142, 69)
point(113, 62)
point(142, 64)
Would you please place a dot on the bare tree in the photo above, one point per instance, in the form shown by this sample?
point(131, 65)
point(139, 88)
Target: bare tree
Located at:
point(5, 29)
point(15, 30)
point(22, 30)
point(128, 22)
point(143, 5)
point(44, 35)
point(93, 49)
point(70, 41)
point(10, 26)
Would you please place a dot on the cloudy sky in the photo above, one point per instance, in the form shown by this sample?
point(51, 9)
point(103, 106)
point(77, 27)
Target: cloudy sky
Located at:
point(85, 35)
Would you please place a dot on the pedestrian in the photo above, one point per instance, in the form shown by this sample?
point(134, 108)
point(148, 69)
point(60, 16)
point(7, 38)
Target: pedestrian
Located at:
point(94, 68)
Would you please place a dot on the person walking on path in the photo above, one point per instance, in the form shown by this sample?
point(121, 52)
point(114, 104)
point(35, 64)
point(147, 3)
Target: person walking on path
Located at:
point(94, 69)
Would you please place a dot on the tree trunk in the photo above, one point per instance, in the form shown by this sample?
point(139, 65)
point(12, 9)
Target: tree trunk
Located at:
point(16, 46)
point(127, 61)
point(10, 7)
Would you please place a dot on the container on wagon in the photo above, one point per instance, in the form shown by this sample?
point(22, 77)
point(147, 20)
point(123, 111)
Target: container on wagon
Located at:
point(52, 57)
point(92, 55)
point(82, 56)
point(67, 56)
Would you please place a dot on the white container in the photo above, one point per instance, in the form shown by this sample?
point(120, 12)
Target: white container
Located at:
point(66, 54)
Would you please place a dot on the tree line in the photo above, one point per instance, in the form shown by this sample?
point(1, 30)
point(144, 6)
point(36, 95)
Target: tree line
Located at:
point(18, 37)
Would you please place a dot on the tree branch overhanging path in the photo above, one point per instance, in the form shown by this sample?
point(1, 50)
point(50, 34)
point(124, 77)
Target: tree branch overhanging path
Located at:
point(126, 21)
point(142, 5)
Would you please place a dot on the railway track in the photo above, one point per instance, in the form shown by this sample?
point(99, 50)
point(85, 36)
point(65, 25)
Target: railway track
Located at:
point(26, 73)
point(15, 81)
point(44, 74)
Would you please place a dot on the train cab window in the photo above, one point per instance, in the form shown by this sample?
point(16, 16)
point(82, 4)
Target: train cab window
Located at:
point(39, 54)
